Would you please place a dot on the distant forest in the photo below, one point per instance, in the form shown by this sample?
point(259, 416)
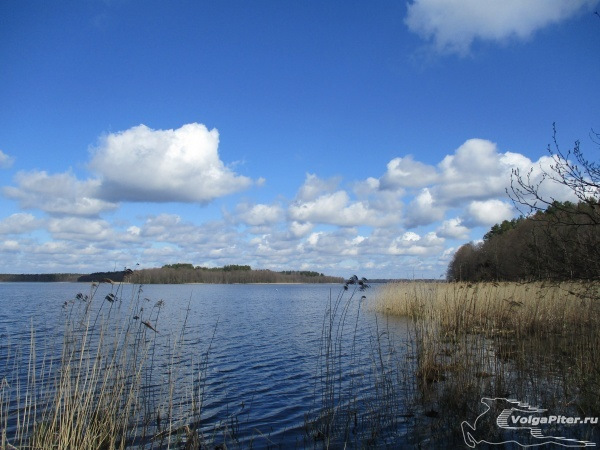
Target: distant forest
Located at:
point(187, 273)
point(561, 242)
point(184, 273)
point(40, 277)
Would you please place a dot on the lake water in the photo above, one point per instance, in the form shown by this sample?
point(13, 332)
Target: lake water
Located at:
point(261, 342)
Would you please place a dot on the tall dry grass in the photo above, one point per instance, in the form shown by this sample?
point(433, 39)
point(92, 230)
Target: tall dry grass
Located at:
point(539, 342)
point(359, 395)
point(114, 383)
point(491, 308)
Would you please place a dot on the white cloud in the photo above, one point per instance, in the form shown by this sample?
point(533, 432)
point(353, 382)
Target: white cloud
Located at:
point(80, 228)
point(61, 193)
point(453, 229)
point(182, 165)
point(423, 210)
point(198, 241)
point(313, 239)
point(489, 212)
point(336, 209)
point(325, 227)
point(318, 202)
point(260, 214)
point(472, 157)
point(314, 187)
point(10, 246)
point(327, 208)
point(453, 25)
point(533, 173)
point(300, 229)
point(321, 245)
point(134, 231)
point(406, 172)
point(410, 236)
point(6, 161)
point(476, 171)
point(19, 223)
point(411, 243)
point(366, 187)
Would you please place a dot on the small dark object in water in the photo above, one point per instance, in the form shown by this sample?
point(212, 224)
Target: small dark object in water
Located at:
point(432, 413)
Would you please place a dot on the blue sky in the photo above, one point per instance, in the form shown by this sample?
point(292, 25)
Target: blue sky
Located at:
point(345, 137)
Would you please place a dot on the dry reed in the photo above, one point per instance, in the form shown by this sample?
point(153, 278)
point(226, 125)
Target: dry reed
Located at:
point(106, 390)
point(538, 342)
point(358, 395)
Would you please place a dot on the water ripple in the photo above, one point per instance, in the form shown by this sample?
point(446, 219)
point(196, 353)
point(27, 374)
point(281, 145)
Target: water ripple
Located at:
point(260, 343)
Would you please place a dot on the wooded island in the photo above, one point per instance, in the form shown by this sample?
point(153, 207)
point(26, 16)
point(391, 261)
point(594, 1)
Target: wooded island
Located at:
point(183, 273)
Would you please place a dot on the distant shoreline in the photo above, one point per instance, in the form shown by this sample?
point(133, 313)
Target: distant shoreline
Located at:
point(76, 278)
point(179, 275)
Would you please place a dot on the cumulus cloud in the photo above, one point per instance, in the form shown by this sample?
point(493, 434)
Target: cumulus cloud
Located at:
point(324, 227)
point(342, 243)
point(314, 187)
point(60, 194)
point(182, 165)
point(201, 238)
point(300, 229)
point(534, 174)
point(318, 202)
point(453, 25)
point(453, 229)
point(335, 209)
point(423, 210)
point(474, 178)
point(260, 214)
point(80, 228)
point(10, 246)
point(411, 243)
point(367, 187)
point(476, 170)
point(19, 223)
point(489, 212)
point(406, 172)
point(327, 208)
point(6, 161)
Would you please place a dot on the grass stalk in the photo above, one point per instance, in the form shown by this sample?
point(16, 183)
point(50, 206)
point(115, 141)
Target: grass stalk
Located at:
point(538, 342)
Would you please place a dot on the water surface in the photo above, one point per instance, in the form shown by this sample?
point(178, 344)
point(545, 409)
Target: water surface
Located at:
point(261, 344)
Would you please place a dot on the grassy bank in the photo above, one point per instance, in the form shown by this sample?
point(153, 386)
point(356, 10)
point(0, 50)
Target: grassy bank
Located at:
point(538, 342)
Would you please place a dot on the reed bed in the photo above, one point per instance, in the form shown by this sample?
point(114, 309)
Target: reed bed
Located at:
point(492, 308)
point(359, 396)
point(112, 382)
point(538, 342)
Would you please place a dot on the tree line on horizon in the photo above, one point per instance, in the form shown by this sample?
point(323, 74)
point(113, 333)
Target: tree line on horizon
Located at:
point(179, 273)
point(553, 240)
point(39, 277)
point(229, 274)
point(559, 243)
